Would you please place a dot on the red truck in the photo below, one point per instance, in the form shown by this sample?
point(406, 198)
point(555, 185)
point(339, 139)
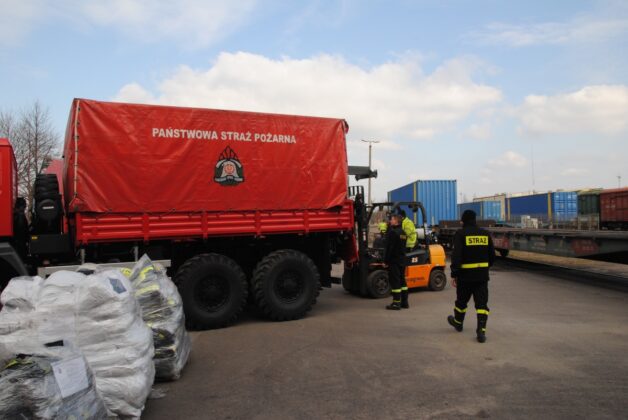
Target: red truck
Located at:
point(241, 204)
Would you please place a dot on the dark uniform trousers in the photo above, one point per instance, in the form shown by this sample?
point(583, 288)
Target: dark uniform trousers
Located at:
point(398, 286)
point(479, 291)
point(394, 256)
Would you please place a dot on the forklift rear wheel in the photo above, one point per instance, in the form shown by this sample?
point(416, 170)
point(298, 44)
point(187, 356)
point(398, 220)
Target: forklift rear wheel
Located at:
point(377, 284)
point(438, 280)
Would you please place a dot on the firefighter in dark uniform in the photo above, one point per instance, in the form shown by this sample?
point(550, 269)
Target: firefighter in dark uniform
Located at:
point(394, 258)
point(472, 256)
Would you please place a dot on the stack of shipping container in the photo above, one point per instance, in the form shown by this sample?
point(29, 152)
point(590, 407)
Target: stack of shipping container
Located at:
point(583, 209)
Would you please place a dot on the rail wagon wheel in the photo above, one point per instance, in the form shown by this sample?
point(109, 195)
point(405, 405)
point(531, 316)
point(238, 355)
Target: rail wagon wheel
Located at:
point(213, 289)
point(377, 284)
point(286, 284)
point(438, 280)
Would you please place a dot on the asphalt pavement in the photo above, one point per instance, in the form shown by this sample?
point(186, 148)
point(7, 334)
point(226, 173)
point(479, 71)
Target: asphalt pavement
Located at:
point(556, 349)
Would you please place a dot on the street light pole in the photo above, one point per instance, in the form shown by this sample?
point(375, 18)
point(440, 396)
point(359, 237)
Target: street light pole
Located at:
point(370, 142)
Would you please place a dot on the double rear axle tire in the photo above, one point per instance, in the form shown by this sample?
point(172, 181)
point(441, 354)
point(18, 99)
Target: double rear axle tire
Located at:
point(214, 288)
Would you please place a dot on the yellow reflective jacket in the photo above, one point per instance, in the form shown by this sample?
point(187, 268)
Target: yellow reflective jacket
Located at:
point(410, 230)
point(383, 226)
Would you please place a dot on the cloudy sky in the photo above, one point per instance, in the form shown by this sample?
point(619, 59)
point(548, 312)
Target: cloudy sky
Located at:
point(503, 96)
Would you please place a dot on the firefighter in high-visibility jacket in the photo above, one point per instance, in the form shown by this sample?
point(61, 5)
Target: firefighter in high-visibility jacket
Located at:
point(409, 229)
point(471, 259)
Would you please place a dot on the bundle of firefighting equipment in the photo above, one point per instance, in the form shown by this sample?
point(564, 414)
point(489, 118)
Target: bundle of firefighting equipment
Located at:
point(100, 315)
point(57, 383)
point(162, 311)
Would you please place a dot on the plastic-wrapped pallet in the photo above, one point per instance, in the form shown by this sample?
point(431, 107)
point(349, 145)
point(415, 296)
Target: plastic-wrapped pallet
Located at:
point(98, 313)
point(162, 310)
point(55, 384)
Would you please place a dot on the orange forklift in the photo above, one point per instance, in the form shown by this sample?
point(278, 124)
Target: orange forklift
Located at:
point(425, 265)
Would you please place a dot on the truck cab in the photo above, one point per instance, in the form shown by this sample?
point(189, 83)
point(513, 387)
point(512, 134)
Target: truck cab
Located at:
point(12, 223)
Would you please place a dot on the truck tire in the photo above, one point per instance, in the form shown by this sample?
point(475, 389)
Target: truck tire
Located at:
point(213, 289)
point(438, 280)
point(503, 252)
point(286, 284)
point(47, 205)
point(377, 284)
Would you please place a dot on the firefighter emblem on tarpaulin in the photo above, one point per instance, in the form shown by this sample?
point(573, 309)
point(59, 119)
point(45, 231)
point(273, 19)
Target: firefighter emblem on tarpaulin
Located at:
point(229, 170)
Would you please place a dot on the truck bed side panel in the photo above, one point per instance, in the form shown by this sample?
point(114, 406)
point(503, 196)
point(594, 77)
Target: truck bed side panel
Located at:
point(94, 227)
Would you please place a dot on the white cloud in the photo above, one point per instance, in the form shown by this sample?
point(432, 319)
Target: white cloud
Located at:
point(379, 165)
point(134, 90)
point(508, 159)
point(384, 102)
point(191, 23)
point(601, 109)
point(480, 131)
point(583, 30)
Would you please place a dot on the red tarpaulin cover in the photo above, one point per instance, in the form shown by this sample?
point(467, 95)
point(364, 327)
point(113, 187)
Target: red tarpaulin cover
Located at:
point(128, 158)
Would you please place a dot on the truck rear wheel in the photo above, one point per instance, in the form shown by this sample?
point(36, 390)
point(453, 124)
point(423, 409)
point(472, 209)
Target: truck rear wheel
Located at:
point(213, 288)
point(377, 284)
point(286, 284)
point(438, 280)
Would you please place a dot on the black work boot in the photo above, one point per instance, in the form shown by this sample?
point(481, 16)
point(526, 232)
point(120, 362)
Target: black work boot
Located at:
point(457, 320)
point(454, 323)
point(396, 303)
point(481, 330)
point(404, 299)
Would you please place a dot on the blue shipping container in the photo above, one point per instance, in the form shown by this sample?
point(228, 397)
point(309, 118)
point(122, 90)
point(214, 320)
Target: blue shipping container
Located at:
point(476, 207)
point(558, 206)
point(438, 198)
point(564, 205)
point(536, 206)
point(502, 205)
point(492, 210)
point(484, 210)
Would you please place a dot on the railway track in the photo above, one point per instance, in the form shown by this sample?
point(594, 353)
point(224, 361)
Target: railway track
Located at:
point(612, 278)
